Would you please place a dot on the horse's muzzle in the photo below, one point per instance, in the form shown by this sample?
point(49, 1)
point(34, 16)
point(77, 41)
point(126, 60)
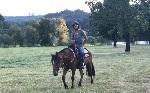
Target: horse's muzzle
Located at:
point(55, 74)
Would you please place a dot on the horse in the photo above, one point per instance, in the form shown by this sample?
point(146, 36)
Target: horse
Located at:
point(68, 59)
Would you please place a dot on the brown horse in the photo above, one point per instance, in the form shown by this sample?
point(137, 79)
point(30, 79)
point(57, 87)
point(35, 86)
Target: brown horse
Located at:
point(68, 59)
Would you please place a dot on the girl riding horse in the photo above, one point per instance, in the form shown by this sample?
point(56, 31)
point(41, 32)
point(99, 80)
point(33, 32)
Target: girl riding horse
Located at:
point(78, 39)
point(68, 58)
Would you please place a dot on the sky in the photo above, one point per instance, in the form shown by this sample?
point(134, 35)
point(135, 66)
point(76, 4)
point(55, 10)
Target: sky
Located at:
point(39, 7)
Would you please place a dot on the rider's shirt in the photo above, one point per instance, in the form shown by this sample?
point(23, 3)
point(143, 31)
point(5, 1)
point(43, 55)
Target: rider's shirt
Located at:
point(79, 38)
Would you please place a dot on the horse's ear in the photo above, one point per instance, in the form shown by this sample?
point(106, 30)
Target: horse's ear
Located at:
point(60, 55)
point(52, 55)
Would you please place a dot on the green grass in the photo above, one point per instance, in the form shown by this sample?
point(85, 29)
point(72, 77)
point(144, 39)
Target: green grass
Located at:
point(28, 70)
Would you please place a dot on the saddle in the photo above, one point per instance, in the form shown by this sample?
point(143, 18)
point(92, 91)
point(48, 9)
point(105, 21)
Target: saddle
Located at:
point(75, 50)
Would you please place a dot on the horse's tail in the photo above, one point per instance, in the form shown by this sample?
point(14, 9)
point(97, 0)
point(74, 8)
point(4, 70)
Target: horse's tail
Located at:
point(93, 70)
point(90, 69)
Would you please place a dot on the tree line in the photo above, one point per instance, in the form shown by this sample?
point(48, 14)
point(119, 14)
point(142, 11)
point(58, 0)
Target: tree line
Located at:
point(112, 20)
point(42, 32)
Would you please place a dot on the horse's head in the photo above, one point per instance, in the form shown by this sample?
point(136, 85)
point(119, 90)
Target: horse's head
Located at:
point(56, 62)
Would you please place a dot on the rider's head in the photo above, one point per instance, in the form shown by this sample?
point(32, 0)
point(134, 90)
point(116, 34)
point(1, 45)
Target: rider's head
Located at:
point(75, 25)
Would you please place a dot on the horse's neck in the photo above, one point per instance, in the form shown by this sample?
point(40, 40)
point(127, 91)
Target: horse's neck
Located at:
point(69, 54)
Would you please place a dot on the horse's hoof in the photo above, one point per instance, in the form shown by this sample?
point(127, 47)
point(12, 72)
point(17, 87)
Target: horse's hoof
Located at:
point(79, 84)
point(91, 81)
point(72, 87)
point(66, 87)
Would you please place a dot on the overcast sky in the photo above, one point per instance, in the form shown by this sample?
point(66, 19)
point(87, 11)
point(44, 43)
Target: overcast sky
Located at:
point(39, 7)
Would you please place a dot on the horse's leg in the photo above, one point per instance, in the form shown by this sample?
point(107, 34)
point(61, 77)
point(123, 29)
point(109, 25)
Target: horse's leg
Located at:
point(81, 74)
point(90, 69)
point(72, 78)
point(91, 73)
point(63, 78)
point(91, 79)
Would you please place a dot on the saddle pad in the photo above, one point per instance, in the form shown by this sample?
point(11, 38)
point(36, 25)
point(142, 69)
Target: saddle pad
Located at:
point(85, 51)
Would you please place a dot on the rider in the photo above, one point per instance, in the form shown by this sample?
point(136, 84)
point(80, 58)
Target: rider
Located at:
point(79, 38)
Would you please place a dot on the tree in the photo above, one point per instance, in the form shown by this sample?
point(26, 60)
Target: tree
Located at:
point(142, 16)
point(1, 21)
point(7, 40)
point(46, 30)
point(62, 31)
point(17, 35)
point(1, 40)
point(96, 18)
point(103, 19)
point(31, 36)
point(33, 23)
point(2, 18)
point(109, 15)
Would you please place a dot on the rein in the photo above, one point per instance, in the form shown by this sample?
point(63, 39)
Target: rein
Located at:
point(73, 54)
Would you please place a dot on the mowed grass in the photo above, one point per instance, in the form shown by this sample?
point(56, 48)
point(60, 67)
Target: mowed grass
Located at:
point(28, 70)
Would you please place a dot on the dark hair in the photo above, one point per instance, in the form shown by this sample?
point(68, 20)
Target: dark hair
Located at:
point(75, 23)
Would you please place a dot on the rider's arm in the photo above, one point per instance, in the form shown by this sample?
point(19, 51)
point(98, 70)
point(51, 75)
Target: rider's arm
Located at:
point(72, 38)
point(85, 37)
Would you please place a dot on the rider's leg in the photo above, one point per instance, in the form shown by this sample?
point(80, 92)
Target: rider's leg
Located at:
point(81, 54)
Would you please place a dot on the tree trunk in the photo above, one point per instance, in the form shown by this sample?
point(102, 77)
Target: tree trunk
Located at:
point(127, 39)
point(115, 43)
point(114, 36)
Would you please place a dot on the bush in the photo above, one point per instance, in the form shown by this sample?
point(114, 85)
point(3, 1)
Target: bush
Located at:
point(63, 44)
point(92, 40)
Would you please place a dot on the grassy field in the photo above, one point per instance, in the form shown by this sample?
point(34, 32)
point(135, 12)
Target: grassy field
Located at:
point(28, 70)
